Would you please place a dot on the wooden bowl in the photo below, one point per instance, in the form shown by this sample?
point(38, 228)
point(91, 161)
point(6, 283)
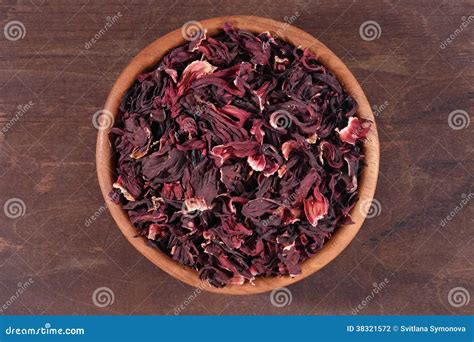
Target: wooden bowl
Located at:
point(148, 58)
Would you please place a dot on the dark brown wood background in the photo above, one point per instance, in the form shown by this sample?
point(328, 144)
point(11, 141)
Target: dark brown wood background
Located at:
point(47, 159)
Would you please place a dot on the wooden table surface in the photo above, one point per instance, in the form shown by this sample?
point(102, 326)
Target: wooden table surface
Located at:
point(61, 248)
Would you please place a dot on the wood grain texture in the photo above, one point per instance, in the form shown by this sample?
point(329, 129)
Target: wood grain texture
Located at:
point(47, 158)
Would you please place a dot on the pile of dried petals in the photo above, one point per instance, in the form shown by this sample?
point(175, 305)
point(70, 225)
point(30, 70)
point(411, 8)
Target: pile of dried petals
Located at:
point(239, 156)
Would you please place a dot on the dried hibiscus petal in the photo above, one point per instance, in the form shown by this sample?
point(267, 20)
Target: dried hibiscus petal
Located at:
point(356, 129)
point(315, 207)
point(238, 155)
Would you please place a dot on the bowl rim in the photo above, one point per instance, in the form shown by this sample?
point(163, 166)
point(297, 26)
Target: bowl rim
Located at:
point(149, 57)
